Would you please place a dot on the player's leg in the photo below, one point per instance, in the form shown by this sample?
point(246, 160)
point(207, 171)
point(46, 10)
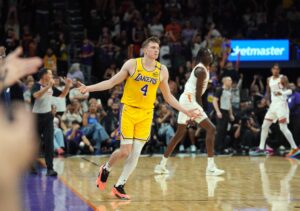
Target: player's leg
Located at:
point(288, 135)
point(129, 166)
point(141, 134)
point(127, 132)
point(179, 135)
point(192, 137)
point(268, 121)
point(208, 126)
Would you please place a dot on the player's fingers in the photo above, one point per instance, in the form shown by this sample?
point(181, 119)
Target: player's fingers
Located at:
point(81, 84)
point(16, 53)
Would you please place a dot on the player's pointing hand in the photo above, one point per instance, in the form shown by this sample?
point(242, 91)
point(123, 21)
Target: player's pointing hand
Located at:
point(83, 88)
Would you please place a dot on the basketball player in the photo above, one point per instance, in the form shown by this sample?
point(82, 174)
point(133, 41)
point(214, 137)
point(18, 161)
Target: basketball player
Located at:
point(191, 98)
point(277, 86)
point(143, 76)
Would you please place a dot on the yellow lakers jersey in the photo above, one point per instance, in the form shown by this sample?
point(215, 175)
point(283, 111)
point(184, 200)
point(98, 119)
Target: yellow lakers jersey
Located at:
point(140, 88)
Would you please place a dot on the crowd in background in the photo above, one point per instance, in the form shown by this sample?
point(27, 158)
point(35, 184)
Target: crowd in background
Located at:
point(114, 31)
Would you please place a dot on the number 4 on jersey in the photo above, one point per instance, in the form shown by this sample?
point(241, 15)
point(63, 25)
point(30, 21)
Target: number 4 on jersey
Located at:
point(144, 89)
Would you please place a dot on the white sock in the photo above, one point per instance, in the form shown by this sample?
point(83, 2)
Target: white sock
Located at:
point(131, 162)
point(163, 161)
point(288, 135)
point(210, 162)
point(264, 133)
point(107, 166)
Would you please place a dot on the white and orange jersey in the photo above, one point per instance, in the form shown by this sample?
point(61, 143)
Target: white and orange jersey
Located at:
point(191, 85)
point(276, 86)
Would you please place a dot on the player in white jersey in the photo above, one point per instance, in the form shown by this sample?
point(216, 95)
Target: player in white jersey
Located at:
point(278, 111)
point(191, 98)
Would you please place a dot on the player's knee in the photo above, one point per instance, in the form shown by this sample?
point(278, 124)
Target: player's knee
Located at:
point(211, 130)
point(283, 127)
point(124, 153)
point(265, 125)
point(282, 121)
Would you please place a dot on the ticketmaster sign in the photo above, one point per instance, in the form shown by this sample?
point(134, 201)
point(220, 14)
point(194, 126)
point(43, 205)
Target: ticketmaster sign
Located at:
point(260, 50)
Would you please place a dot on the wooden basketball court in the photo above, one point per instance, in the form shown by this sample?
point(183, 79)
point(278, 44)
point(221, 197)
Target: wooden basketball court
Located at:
point(249, 184)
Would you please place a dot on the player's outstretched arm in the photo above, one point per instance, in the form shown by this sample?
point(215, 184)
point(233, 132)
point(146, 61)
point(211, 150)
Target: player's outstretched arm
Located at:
point(169, 98)
point(110, 83)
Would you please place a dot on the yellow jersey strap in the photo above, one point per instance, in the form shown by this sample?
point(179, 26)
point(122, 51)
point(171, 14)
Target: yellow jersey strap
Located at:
point(158, 65)
point(139, 65)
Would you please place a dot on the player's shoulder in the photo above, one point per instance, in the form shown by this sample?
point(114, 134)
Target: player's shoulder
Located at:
point(131, 61)
point(130, 65)
point(200, 70)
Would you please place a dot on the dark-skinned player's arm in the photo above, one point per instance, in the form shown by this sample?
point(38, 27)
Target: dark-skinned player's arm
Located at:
point(110, 83)
point(200, 74)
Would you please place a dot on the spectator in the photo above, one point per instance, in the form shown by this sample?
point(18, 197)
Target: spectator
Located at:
point(110, 72)
point(76, 140)
point(111, 121)
point(59, 102)
point(75, 72)
point(139, 32)
point(248, 131)
point(188, 33)
point(294, 106)
point(196, 45)
point(173, 30)
point(92, 127)
point(50, 61)
point(12, 22)
point(29, 82)
point(257, 80)
point(33, 46)
point(71, 114)
point(62, 62)
point(86, 55)
point(58, 140)
point(26, 40)
point(115, 98)
point(156, 28)
point(236, 93)
point(10, 41)
point(164, 123)
point(256, 96)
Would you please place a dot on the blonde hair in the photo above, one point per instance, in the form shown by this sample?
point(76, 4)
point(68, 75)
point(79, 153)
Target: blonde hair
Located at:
point(150, 39)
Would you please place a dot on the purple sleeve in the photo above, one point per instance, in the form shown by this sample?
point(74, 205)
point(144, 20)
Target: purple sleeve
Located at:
point(80, 132)
point(291, 101)
point(68, 133)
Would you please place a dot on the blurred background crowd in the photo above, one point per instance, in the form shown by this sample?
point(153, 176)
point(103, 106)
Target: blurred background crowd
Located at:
point(88, 41)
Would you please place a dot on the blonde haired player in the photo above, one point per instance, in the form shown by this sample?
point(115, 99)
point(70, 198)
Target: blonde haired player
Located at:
point(143, 77)
point(279, 110)
point(192, 98)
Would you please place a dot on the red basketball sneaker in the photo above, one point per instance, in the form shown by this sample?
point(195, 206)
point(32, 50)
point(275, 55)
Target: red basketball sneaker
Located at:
point(102, 178)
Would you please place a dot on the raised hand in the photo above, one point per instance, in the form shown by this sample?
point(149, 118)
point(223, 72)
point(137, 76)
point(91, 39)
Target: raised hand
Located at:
point(17, 67)
point(51, 83)
point(68, 82)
